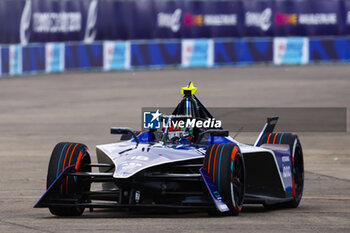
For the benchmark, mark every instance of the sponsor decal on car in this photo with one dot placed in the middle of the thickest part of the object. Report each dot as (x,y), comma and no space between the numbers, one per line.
(286,172)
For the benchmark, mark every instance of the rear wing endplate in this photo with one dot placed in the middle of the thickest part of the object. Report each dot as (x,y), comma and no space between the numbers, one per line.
(268,128)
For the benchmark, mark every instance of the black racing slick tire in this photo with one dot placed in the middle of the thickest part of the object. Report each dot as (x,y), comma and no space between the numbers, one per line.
(225,165)
(297,163)
(67,154)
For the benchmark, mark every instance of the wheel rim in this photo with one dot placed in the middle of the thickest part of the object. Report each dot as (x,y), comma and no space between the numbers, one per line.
(237,182)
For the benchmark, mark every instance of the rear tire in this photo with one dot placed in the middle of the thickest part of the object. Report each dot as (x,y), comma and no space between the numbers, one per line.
(225,165)
(63,155)
(297,165)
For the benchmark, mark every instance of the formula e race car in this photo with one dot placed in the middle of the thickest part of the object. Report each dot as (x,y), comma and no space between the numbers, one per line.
(187,165)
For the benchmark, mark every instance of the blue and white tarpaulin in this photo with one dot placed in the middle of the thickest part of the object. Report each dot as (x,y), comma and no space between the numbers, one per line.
(116,55)
(15,59)
(54,61)
(197,52)
(290,50)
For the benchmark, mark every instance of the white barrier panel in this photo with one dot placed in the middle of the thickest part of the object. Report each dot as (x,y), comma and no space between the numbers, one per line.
(291,50)
(54,57)
(197,52)
(116,55)
(15,59)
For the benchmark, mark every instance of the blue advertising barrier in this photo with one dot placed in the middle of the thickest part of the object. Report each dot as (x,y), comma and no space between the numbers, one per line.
(33,58)
(156,54)
(83,56)
(123,55)
(5,66)
(243,51)
(326,50)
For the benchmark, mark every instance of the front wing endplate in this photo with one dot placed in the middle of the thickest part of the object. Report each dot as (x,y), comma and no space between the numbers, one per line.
(214,192)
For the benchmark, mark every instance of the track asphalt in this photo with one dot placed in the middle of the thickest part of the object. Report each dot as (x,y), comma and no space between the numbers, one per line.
(36,112)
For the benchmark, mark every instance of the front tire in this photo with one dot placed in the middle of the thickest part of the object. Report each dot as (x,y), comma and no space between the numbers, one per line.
(63,155)
(225,165)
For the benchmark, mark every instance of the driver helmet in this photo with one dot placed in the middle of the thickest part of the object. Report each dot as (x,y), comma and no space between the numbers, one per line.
(177,134)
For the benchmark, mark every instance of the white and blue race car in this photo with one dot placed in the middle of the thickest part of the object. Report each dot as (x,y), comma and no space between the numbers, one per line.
(181,168)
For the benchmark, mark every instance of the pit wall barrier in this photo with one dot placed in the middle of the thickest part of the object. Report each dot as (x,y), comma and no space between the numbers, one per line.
(185,53)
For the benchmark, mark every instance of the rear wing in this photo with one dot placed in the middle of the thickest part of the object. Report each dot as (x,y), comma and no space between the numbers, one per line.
(268,128)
